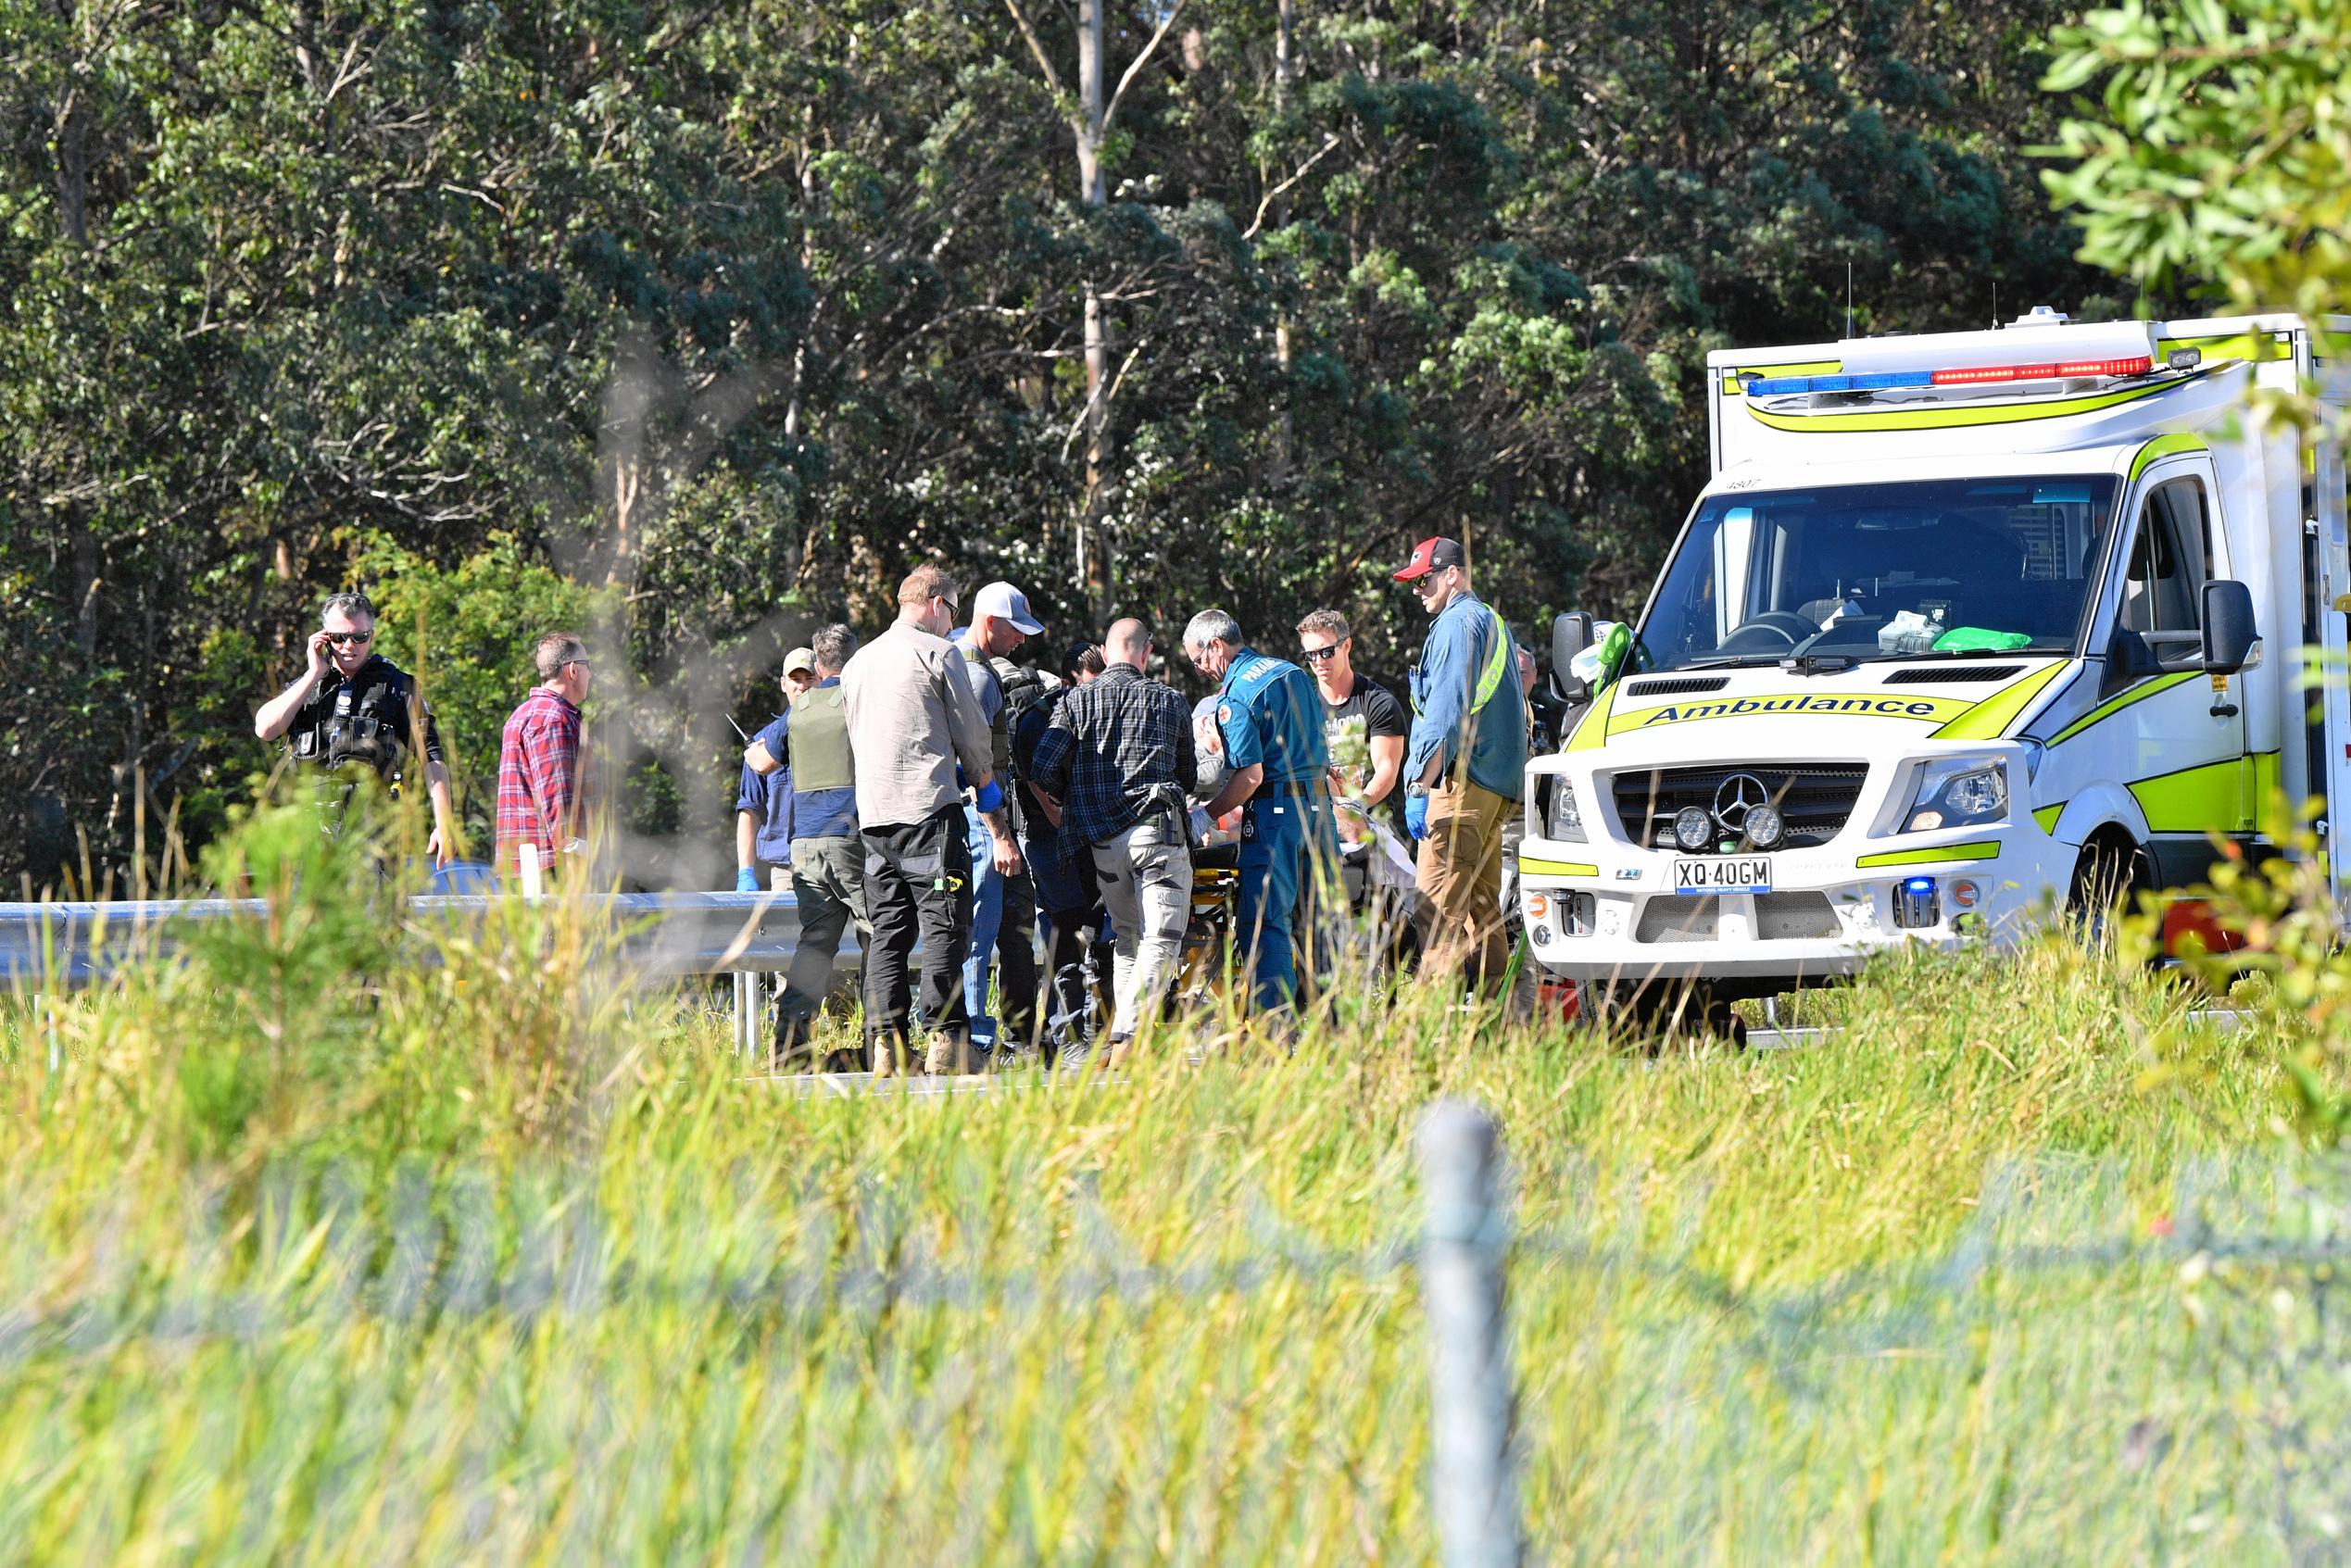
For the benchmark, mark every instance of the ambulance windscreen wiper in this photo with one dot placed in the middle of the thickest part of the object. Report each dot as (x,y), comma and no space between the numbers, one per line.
(1802,660)
(1810,663)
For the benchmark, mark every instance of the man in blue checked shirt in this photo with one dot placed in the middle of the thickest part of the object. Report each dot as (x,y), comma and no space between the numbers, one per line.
(1270,718)
(1116,764)
(809,746)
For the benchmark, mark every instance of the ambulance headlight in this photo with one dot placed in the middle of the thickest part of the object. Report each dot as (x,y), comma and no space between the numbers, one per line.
(1567,823)
(1956,791)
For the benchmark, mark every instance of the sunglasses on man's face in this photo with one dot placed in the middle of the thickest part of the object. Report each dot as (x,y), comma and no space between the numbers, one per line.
(1319,655)
(339,638)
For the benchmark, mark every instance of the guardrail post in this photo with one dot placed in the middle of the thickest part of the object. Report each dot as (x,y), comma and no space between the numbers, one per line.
(1471,1399)
(744,1012)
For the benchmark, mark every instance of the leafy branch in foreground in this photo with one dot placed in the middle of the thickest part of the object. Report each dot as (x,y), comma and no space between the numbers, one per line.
(2222,153)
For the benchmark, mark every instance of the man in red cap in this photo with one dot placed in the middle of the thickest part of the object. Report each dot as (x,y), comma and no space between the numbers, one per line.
(1465,762)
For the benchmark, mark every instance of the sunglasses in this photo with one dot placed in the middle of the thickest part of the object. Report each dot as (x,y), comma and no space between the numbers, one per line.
(1319,655)
(339,638)
(953,607)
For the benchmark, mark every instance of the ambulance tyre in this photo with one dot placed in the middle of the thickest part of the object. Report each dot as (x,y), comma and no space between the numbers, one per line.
(2107,877)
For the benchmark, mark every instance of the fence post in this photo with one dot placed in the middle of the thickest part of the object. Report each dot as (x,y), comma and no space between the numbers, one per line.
(1471,1398)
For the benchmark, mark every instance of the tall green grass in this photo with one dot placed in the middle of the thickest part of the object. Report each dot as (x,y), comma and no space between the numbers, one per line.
(310,1251)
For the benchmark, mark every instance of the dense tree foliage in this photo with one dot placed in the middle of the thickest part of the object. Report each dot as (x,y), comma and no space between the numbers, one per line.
(2222,152)
(717,315)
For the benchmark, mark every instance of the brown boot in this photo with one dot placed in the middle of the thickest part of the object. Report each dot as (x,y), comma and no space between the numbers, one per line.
(946,1054)
(884,1053)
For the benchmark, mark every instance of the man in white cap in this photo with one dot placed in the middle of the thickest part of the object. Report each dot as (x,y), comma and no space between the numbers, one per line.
(1004,897)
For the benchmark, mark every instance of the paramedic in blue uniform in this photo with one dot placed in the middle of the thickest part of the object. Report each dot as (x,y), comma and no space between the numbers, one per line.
(1270,718)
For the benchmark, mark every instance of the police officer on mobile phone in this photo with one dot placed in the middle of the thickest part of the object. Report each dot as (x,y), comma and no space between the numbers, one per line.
(353,712)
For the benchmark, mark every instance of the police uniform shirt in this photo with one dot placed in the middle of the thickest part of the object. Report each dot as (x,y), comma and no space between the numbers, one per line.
(380,690)
(768,797)
(1270,713)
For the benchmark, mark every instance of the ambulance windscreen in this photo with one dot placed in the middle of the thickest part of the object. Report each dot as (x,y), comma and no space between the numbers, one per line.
(1858,573)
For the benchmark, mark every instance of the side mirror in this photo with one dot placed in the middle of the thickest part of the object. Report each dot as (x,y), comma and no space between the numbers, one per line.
(1570,634)
(2228,632)
(2128,659)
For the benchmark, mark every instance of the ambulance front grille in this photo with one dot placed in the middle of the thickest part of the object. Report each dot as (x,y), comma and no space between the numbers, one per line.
(1780,917)
(1814,798)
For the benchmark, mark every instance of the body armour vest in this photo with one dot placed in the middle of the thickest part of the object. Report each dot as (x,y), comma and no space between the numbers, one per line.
(818,741)
(369,729)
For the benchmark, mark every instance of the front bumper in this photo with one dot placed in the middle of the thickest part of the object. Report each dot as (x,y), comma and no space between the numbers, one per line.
(1608,909)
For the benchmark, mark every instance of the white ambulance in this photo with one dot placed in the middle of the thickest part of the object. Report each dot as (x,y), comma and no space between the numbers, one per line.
(1965,628)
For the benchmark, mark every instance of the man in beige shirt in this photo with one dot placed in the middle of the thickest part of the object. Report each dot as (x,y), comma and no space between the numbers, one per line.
(913,717)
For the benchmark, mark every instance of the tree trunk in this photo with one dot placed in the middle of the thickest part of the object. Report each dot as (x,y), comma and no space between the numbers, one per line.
(71,128)
(1285,25)
(1094,566)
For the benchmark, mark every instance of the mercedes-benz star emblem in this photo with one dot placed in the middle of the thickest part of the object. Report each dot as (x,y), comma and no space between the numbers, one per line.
(1737,796)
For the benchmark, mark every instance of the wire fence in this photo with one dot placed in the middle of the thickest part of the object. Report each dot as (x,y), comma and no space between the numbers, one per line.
(2232,1287)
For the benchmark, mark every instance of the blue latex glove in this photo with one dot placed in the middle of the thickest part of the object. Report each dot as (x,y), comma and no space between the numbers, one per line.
(746,880)
(990,798)
(1416,815)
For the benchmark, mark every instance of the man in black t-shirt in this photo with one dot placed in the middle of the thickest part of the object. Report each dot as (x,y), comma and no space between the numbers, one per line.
(1363,723)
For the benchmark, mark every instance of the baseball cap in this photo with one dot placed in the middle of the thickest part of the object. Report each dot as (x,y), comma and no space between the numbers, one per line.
(1004,602)
(800,659)
(1431,554)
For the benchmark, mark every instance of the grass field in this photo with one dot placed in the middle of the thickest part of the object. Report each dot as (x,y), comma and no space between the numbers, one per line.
(310,1255)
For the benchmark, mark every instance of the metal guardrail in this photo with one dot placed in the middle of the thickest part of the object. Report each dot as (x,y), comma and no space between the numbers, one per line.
(54,947)
(57,946)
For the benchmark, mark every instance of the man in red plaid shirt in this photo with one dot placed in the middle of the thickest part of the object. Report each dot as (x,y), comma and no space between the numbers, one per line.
(539,758)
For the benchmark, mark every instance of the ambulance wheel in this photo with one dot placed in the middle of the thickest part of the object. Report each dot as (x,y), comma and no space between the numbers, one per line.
(2110,872)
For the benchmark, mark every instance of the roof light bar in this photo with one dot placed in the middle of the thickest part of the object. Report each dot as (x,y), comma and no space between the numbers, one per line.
(1876,380)
(1975,375)
(1891,381)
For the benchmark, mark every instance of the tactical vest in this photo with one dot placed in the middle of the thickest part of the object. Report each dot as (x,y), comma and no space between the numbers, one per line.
(818,741)
(1000,731)
(1023,689)
(369,734)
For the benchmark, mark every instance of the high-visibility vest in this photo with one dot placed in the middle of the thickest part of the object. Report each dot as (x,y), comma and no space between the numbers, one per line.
(1490,679)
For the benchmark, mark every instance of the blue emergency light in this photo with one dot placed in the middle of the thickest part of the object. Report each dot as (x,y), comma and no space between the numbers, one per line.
(1914,904)
(1970,375)
(1875,381)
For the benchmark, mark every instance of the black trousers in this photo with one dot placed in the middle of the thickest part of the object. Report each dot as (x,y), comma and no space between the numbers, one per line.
(1073,906)
(1016,963)
(918,882)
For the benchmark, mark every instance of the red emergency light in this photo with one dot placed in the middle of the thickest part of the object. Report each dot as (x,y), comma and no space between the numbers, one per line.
(1977,375)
